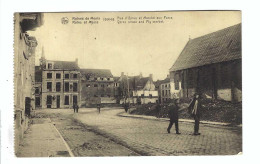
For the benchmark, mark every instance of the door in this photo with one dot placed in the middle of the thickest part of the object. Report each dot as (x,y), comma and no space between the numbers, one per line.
(75,99)
(27,106)
(49,101)
(58,101)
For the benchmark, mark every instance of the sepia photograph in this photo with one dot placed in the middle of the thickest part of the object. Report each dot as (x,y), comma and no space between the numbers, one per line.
(102,84)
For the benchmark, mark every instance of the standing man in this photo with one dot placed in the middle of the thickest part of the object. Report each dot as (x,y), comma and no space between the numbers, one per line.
(77,108)
(174,117)
(98,108)
(74,107)
(126,106)
(194,108)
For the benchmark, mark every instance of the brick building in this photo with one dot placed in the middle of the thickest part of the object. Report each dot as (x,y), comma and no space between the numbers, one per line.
(211,64)
(97,86)
(60,84)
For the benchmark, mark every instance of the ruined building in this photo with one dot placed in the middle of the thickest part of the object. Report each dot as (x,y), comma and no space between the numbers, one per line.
(24,68)
(210,64)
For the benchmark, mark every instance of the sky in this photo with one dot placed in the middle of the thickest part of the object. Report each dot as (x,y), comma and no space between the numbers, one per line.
(130,48)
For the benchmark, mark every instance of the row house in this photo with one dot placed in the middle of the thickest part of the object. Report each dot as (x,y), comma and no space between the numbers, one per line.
(38,87)
(211,65)
(24,65)
(97,86)
(60,84)
(137,89)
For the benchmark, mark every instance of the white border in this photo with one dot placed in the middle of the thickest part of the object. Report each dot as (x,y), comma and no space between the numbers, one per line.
(250,41)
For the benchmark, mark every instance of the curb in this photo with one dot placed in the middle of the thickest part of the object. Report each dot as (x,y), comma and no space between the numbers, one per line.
(180,120)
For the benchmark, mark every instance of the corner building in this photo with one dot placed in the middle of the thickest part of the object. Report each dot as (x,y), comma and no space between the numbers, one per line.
(60,84)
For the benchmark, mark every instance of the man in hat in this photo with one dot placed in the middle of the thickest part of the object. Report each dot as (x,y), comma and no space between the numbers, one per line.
(194,109)
(174,116)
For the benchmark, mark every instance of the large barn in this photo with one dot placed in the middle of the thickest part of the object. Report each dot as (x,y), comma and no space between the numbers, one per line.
(211,64)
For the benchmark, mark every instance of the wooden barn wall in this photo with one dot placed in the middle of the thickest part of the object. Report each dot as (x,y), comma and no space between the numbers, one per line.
(208,79)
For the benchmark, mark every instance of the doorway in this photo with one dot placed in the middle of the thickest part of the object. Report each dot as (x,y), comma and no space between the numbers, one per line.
(49,101)
(75,99)
(58,101)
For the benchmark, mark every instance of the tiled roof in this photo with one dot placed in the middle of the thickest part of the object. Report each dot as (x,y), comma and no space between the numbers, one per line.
(136,82)
(219,46)
(65,65)
(96,72)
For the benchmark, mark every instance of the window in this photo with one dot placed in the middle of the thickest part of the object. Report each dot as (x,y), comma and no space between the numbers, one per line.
(37,101)
(75,76)
(49,86)
(37,90)
(75,87)
(49,75)
(102,85)
(162,92)
(49,65)
(67,76)
(58,75)
(66,101)
(87,85)
(67,87)
(95,78)
(150,95)
(142,95)
(176,85)
(49,100)
(102,78)
(58,84)
(108,78)
(95,85)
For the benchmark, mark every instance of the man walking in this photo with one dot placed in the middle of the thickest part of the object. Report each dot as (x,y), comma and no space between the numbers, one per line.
(77,108)
(194,108)
(174,117)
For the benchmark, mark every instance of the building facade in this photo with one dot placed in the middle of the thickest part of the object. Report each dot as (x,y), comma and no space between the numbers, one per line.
(211,65)
(24,68)
(38,87)
(137,89)
(60,84)
(97,86)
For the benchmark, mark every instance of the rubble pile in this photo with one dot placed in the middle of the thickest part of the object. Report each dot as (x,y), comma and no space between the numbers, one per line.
(217,111)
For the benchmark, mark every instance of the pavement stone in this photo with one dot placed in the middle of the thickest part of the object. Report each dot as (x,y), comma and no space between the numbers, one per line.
(42,140)
(150,136)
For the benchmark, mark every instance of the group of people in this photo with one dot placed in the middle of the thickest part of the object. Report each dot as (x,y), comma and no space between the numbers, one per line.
(193,108)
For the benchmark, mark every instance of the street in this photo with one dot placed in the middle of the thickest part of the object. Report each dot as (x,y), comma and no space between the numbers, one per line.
(89,133)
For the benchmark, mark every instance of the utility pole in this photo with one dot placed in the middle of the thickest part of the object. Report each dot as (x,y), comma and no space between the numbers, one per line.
(128,89)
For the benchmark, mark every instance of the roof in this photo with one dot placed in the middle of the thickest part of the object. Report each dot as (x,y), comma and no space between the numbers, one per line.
(38,74)
(65,65)
(220,46)
(159,82)
(96,72)
(116,78)
(136,82)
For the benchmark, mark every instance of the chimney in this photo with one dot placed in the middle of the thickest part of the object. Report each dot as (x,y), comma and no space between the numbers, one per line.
(76,61)
(122,73)
(151,76)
